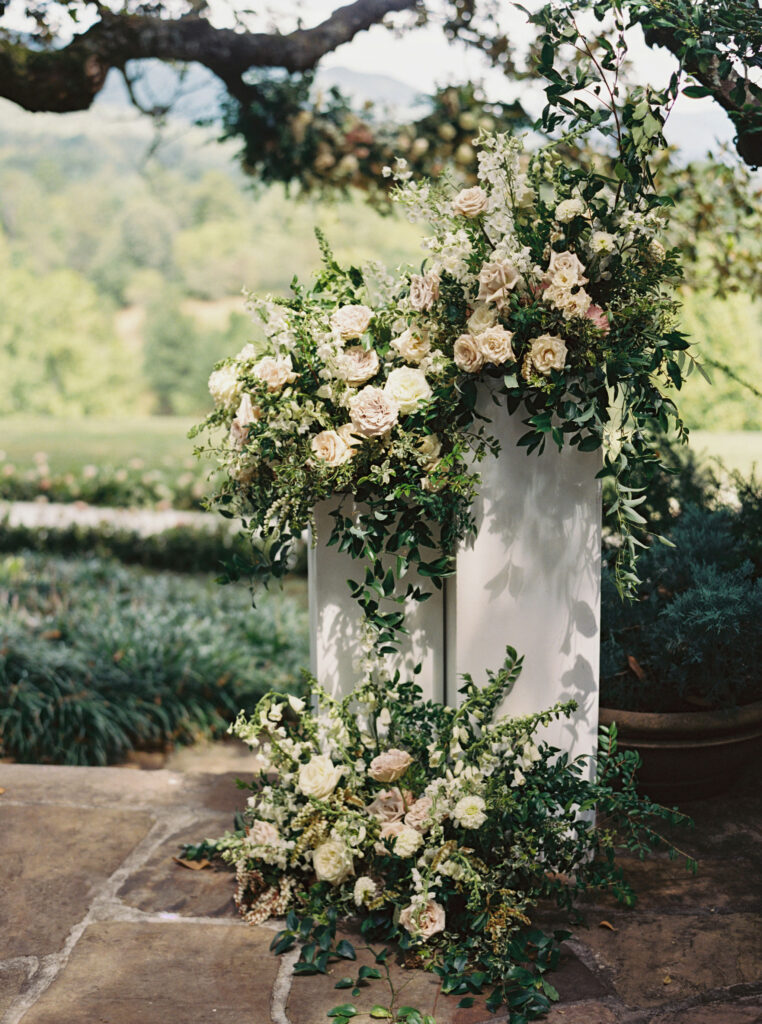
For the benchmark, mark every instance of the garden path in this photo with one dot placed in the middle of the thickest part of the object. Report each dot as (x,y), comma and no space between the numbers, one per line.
(98,924)
(59,515)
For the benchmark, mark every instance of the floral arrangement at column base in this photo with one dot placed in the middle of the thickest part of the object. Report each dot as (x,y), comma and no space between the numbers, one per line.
(438,828)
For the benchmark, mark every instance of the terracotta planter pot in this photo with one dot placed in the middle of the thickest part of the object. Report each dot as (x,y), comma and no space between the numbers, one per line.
(689,755)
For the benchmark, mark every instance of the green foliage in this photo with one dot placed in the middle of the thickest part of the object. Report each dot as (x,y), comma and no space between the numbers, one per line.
(183,549)
(96,659)
(692,639)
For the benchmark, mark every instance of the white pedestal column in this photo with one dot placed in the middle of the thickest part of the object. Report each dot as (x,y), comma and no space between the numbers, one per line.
(530,578)
(335,618)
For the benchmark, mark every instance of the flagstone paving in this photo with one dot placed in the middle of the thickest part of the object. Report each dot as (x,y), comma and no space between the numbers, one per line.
(99,925)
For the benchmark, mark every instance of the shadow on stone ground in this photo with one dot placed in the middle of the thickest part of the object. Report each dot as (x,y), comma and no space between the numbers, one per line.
(98,925)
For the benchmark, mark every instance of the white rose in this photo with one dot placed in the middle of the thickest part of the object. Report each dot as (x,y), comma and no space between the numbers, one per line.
(365,889)
(413,346)
(483,316)
(602,241)
(424,290)
(247,353)
(329,447)
(469,812)
(263,833)
(373,412)
(568,209)
(467,354)
(356,365)
(548,352)
(570,265)
(470,202)
(319,777)
(408,388)
(423,922)
(351,321)
(275,372)
(332,862)
(496,280)
(495,345)
(408,840)
(224,386)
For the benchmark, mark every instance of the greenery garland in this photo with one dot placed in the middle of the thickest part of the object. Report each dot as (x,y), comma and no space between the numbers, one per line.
(546,280)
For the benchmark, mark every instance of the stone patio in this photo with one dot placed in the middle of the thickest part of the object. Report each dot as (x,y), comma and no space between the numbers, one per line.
(98,924)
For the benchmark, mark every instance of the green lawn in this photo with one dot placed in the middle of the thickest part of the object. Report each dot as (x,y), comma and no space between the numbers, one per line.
(737,449)
(70,444)
(161,441)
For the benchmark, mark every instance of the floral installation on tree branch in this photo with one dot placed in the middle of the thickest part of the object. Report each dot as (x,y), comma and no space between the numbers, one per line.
(542,280)
(439,828)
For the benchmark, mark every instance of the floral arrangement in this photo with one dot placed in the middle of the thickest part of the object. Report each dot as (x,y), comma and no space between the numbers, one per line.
(439,828)
(319,143)
(540,280)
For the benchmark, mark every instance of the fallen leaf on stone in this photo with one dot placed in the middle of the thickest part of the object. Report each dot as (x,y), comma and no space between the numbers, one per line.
(666,980)
(607,924)
(194,865)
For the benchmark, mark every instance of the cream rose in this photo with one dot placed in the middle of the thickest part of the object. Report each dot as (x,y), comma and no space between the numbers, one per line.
(469,812)
(495,345)
(373,412)
(413,346)
(496,280)
(568,264)
(470,202)
(389,805)
(419,815)
(319,777)
(548,352)
(224,386)
(275,372)
(423,922)
(424,290)
(356,365)
(330,448)
(351,321)
(430,448)
(332,862)
(483,316)
(408,388)
(568,209)
(390,766)
(263,833)
(467,354)
(350,439)
(246,415)
(408,840)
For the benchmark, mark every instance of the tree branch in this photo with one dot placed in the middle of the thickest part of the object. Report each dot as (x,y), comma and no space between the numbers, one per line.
(69,78)
(733,93)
